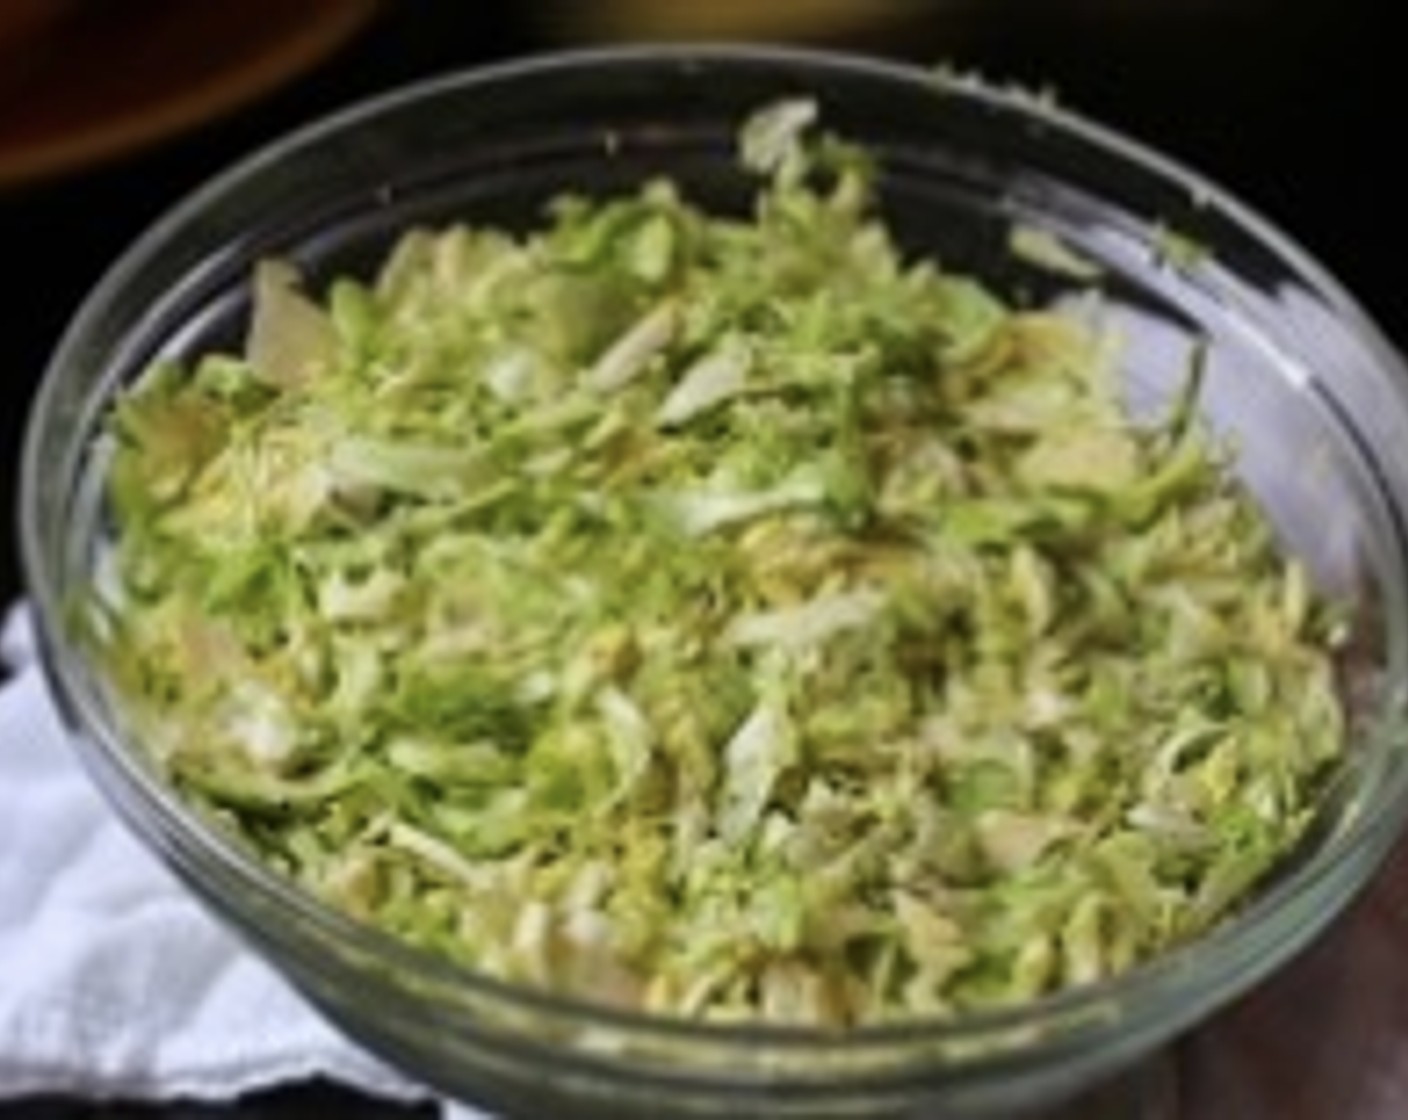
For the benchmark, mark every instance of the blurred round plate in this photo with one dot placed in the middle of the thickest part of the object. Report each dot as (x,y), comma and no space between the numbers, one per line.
(110,76)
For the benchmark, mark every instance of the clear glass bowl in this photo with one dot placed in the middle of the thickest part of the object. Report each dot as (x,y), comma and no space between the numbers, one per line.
(1313,394)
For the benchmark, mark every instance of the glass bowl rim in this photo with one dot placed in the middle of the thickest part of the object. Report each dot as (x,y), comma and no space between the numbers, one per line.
(1208,956)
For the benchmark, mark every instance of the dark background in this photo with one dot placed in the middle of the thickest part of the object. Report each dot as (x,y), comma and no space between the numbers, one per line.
(1295,106)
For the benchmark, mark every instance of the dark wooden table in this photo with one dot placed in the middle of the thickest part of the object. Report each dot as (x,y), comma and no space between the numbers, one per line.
(1326,1037)
(1290,103)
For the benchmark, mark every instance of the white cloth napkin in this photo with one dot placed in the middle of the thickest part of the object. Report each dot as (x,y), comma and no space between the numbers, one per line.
(113,981)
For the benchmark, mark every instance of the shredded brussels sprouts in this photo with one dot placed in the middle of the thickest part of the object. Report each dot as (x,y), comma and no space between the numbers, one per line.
(724,617)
